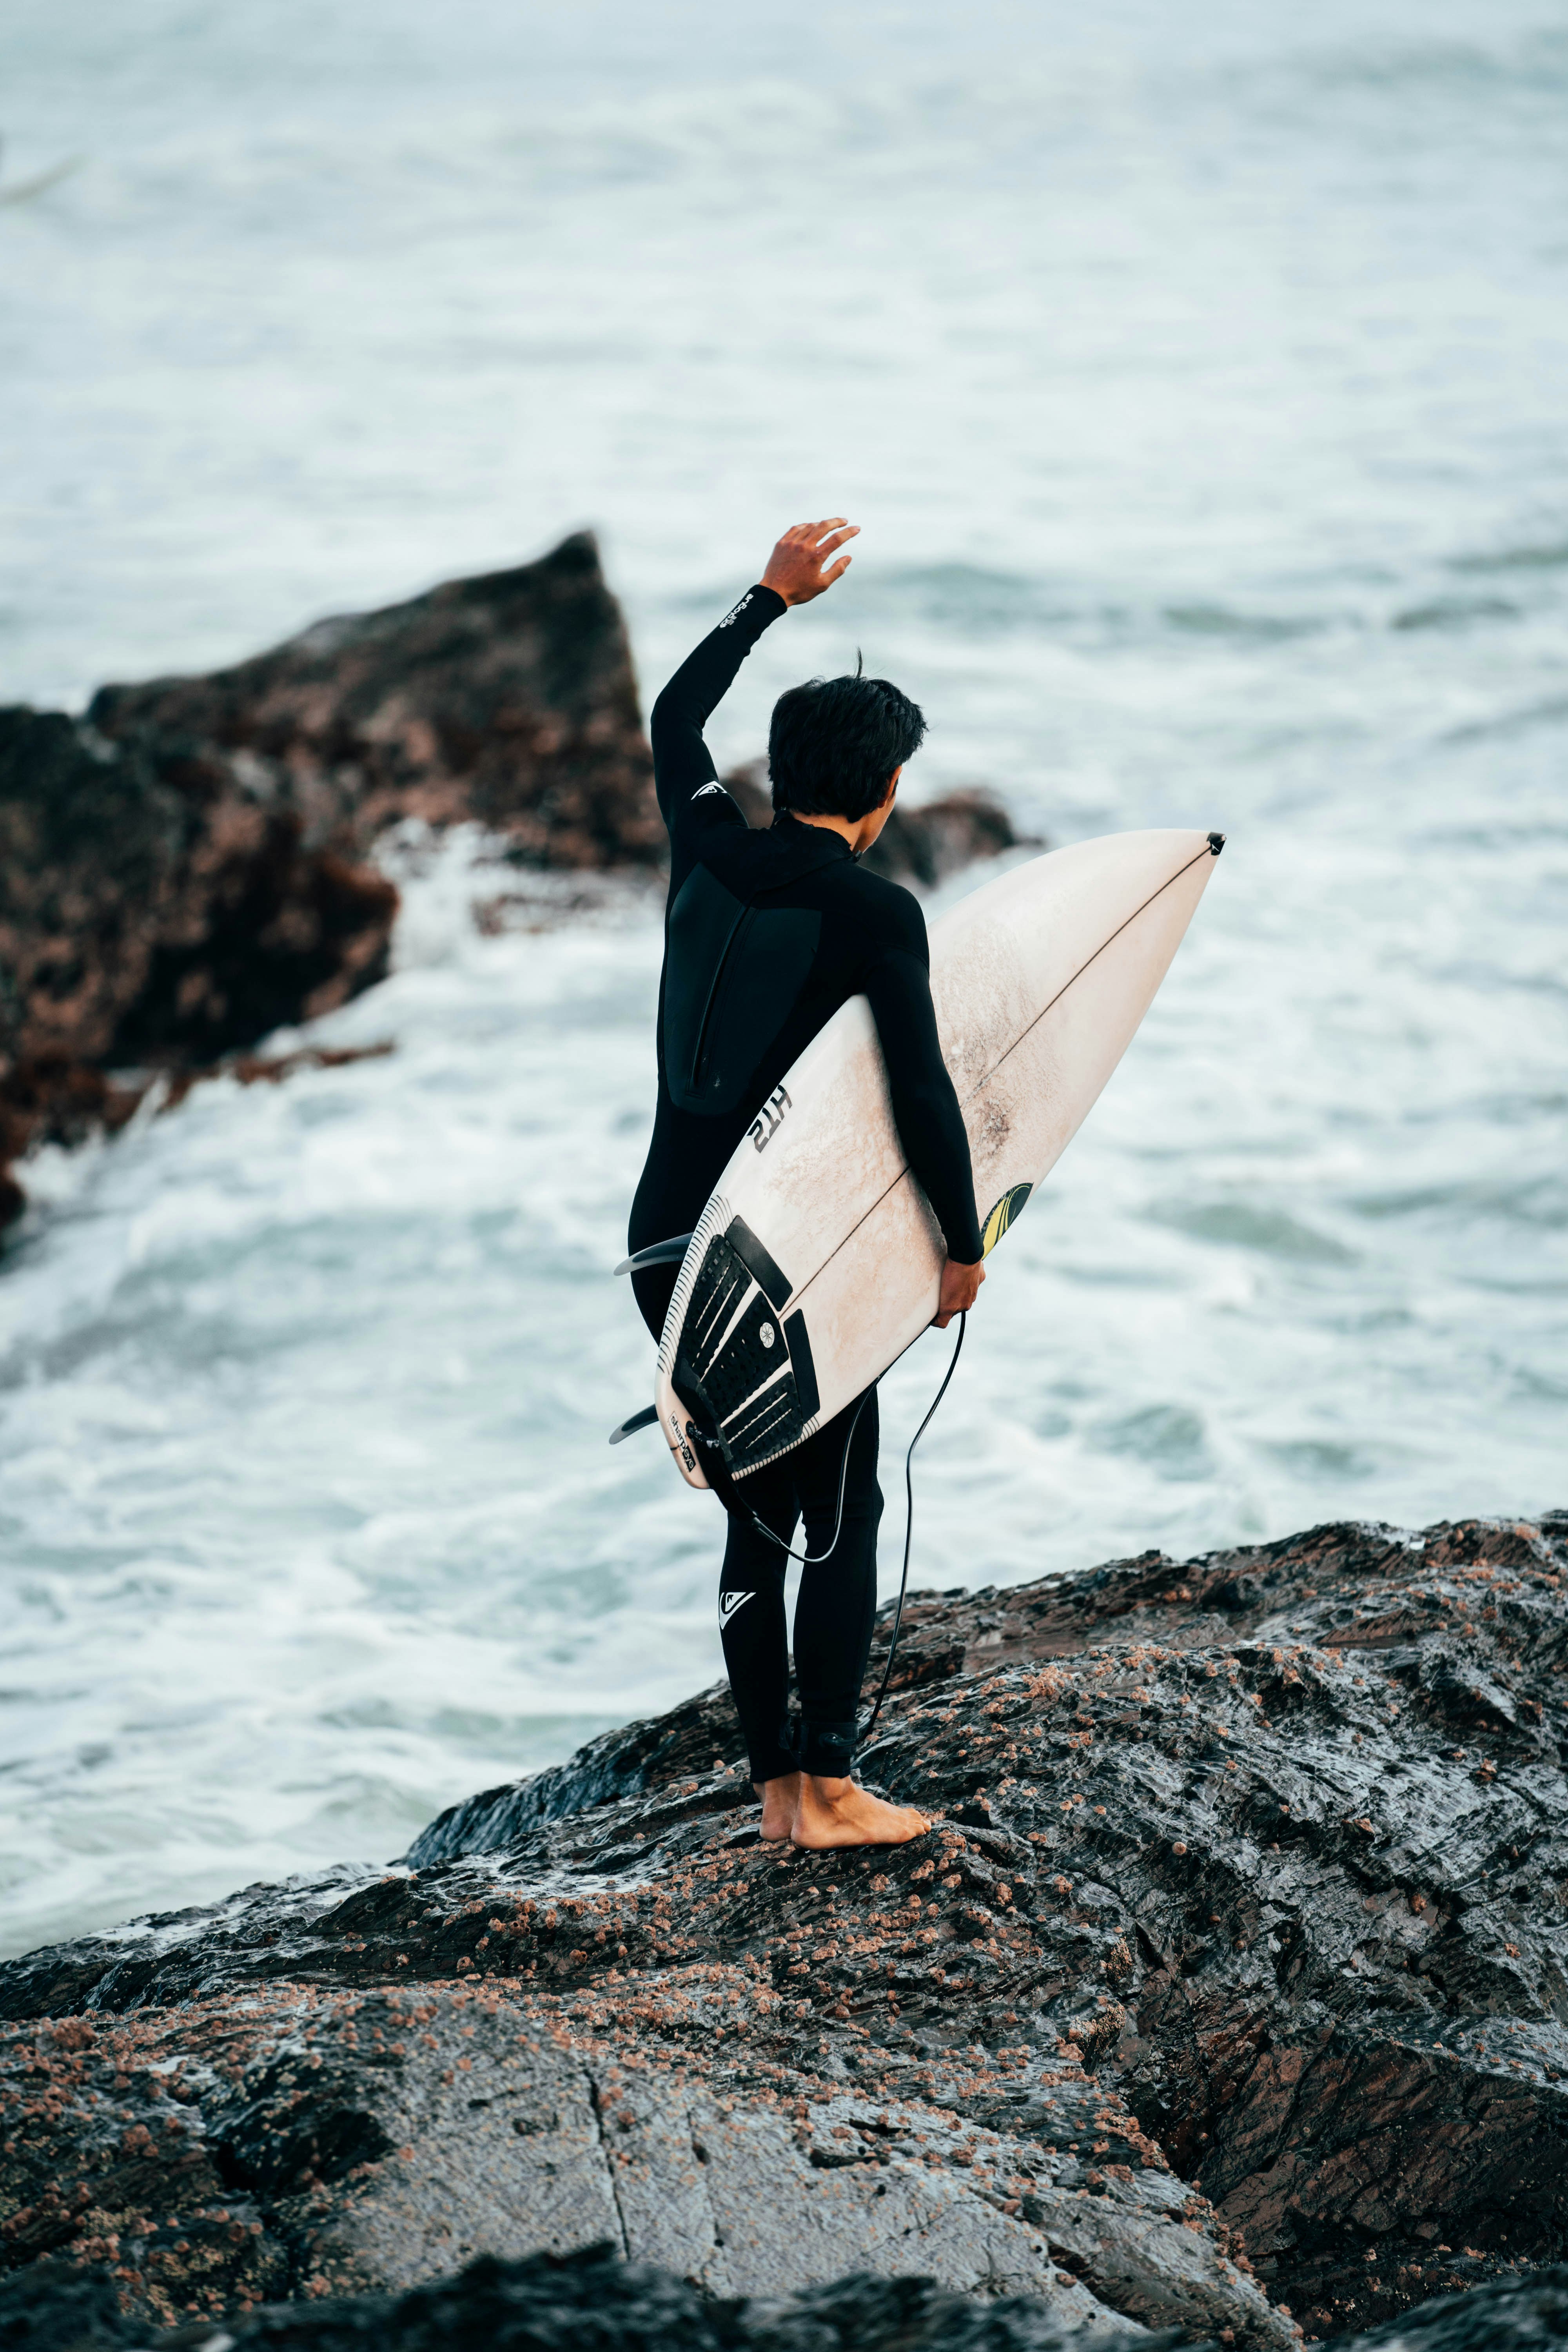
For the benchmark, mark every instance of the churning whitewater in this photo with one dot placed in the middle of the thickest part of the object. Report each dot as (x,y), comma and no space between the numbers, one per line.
(1240,501)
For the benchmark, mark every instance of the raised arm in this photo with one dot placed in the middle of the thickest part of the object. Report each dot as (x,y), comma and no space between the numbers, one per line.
(682,763)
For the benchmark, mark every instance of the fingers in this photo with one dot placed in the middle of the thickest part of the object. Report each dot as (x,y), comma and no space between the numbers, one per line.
(796,567)
(960,1290)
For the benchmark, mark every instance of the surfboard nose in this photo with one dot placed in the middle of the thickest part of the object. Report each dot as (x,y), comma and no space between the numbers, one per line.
(1216,843)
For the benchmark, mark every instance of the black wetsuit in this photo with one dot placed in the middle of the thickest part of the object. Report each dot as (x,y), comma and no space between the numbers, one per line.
(766,935)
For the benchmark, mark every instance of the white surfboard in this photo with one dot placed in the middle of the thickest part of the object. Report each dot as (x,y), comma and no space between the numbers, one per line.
(817,1260)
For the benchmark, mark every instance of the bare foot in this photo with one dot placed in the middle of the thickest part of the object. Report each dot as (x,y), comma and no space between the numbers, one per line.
(837,1813)
(781,1798)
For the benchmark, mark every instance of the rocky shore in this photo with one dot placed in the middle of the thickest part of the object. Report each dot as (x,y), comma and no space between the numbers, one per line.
(191,864)
(1226,2000)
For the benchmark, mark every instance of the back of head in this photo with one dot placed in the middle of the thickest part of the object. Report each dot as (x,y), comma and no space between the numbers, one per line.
(835,742)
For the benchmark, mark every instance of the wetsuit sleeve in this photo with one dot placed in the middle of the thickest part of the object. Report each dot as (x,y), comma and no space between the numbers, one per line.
(683,771)
(925,1105)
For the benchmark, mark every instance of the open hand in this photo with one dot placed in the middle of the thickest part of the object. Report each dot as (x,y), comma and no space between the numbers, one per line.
(795,568)
(960,1290)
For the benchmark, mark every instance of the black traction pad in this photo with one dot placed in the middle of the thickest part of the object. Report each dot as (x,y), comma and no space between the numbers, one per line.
(776,1284)
(744,1375)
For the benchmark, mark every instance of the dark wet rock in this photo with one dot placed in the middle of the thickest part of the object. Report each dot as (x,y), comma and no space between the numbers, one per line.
(1239,1949)
(307,2141)
(690,1738)
(50,1098)
(186,870)
(509,699)
(585,2302)
(153,911)
(920,843)
(1512,2314)
(149,911)
(925,843)
(591,2300)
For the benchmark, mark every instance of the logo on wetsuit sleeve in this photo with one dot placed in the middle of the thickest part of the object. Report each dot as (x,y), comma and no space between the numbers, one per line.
(729,1603)
(765,1125)
(736,610)
(703,789)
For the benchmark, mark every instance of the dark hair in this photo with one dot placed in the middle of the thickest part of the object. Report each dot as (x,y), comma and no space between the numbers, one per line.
(835,742)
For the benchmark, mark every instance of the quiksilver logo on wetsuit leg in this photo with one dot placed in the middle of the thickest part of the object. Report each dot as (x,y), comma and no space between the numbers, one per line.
(727,1604)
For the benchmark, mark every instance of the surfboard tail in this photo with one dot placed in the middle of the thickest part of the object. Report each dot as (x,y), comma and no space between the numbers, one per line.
(736,1371)
(672,1411)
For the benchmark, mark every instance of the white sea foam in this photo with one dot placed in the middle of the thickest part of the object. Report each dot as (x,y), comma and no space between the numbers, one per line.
(1199,385)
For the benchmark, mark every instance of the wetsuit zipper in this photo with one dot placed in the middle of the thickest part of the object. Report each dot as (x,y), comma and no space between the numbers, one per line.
(699,1052)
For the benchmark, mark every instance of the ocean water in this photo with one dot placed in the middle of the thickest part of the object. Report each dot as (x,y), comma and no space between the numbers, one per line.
(1198,384)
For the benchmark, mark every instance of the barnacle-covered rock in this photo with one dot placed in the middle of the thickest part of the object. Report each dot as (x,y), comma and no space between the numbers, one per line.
(1232,1970)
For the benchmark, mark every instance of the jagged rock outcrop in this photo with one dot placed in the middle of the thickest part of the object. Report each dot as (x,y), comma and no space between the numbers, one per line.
(184,870)
(509,699)
(152,910)
(1238,1953)
(919,844)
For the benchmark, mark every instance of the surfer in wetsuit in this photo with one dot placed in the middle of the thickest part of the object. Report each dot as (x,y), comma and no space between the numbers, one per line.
(837,748)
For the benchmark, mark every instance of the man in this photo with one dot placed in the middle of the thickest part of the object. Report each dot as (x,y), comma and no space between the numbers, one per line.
(738,1002)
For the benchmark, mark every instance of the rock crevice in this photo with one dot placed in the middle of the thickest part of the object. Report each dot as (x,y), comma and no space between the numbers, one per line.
(1227,1993)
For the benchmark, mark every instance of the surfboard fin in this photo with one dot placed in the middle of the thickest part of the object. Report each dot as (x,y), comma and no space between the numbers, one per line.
(669,1253)
(644,1420)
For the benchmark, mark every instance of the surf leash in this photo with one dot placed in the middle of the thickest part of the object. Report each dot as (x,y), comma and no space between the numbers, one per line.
(909,1525)
(810,1558)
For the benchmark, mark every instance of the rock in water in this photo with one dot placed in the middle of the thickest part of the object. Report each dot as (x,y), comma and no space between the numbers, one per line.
(185,872)
(154,909)
(510,700)
(1233,1969)
(925,843)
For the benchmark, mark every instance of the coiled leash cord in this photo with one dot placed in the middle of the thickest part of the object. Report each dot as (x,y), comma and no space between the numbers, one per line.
(810,1558)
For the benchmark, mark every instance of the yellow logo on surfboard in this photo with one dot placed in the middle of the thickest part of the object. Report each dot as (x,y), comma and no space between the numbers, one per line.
(1009,1206)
